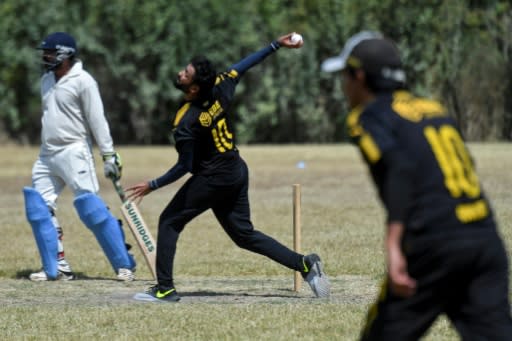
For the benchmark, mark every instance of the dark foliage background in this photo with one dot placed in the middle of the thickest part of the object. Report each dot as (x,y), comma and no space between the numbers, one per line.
(459,52)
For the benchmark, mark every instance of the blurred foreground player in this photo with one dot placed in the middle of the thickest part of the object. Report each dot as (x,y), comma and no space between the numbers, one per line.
(444,254)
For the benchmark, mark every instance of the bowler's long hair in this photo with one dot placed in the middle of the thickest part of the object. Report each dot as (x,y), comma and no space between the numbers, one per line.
(205,75)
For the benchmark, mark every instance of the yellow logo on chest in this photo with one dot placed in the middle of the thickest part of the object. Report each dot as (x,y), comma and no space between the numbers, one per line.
(206,117)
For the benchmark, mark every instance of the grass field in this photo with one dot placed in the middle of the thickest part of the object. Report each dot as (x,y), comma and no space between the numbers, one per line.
(228,293)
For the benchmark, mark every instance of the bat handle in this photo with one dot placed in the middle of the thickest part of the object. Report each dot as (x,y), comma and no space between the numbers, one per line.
(119,189)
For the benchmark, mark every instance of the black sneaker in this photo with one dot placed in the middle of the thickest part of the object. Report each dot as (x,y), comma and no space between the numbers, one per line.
(314,275)
(169,295)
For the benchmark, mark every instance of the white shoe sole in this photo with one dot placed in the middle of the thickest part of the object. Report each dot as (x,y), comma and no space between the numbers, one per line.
(42,277)
(142,296)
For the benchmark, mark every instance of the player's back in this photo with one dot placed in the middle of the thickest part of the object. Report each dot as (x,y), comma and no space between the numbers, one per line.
(446,192)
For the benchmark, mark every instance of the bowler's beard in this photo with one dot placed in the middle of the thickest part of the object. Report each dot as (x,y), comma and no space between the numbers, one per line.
(180,86)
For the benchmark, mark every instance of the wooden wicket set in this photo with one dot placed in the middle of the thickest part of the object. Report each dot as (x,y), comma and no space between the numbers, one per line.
(297,279)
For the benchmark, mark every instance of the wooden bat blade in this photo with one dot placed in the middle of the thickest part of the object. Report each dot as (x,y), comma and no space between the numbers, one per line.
(141,234)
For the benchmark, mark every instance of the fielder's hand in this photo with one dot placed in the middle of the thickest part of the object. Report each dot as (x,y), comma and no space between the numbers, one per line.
(401,283)
(112,165)
(138,191)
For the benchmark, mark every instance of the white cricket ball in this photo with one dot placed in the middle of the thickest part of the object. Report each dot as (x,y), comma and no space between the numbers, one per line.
(296,38)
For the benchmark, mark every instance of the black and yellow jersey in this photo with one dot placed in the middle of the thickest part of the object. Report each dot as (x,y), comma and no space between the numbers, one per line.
(208,125)
(419,162)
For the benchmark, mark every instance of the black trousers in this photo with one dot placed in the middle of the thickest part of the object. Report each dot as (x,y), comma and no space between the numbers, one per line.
(230,204)
(464,276)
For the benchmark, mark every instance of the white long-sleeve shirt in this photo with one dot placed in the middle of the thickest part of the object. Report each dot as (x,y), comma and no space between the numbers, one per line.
(72,112)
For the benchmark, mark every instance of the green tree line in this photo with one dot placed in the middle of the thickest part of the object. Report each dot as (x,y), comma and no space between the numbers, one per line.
(459,52)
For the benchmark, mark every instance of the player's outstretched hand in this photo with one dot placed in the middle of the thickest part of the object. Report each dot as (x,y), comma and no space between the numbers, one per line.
(138,191)
(291,40)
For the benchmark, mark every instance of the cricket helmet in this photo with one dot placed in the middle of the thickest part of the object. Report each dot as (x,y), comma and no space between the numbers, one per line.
(63,45)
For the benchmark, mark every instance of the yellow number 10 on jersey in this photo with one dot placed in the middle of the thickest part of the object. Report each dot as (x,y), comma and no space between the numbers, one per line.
(453,158)
(459,175)
(222,137)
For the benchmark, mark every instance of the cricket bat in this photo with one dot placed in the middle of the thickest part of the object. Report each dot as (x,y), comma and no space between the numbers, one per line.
(138,227)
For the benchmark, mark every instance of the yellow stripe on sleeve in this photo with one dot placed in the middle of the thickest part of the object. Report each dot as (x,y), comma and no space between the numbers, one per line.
(354,128)
(180,113)
(369,148)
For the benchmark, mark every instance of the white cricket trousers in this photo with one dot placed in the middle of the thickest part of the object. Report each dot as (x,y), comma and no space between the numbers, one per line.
(72,166)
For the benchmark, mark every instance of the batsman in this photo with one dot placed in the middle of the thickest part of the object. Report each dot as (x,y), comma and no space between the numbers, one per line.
(206,148)
(72,116)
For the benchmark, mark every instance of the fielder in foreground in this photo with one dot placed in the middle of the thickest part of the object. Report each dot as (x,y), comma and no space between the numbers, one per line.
(206,148)
(72,116)
(444,254)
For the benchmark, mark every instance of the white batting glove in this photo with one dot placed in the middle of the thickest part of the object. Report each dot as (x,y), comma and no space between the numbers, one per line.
(112,165)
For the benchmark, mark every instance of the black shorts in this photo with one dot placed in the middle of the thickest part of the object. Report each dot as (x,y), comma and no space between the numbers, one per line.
(464,276)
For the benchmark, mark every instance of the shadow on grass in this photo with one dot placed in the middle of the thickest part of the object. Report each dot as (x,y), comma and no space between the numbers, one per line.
(80,276)
(205,293)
